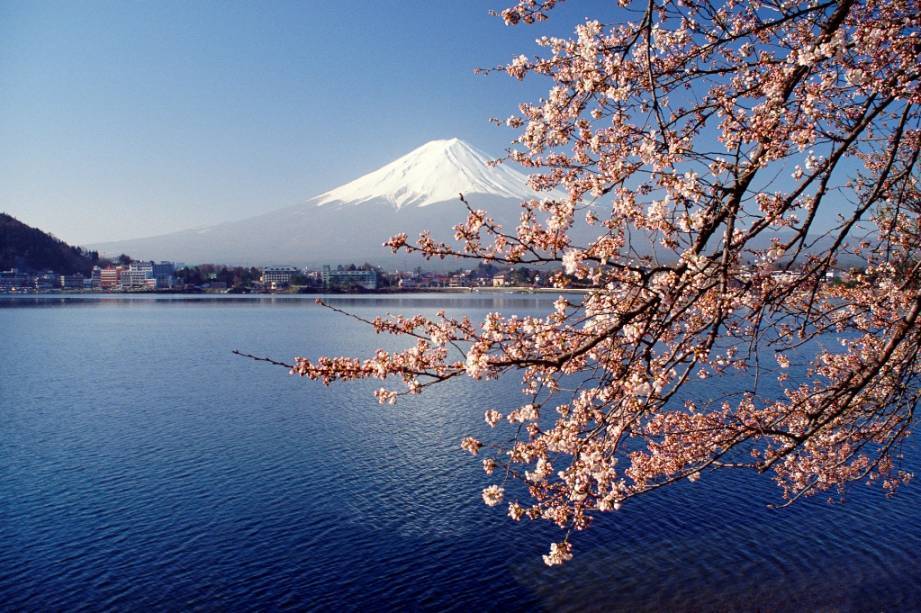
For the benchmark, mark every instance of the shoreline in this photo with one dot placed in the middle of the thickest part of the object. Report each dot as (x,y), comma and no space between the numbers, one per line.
(309,292)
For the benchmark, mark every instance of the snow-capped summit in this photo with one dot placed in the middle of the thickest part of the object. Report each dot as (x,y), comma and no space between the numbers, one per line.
(435,172)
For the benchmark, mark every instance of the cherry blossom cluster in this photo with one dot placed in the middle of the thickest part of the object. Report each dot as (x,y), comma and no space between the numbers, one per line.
(726,159)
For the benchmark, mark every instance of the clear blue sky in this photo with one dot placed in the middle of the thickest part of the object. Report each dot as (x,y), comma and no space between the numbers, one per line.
(126,119)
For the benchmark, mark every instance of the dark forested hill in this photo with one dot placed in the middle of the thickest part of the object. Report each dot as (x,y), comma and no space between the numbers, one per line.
(29,248)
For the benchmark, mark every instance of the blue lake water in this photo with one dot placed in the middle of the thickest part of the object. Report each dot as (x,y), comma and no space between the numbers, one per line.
(142,465)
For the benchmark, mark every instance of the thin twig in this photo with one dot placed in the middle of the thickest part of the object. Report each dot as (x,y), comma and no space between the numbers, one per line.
(262,359)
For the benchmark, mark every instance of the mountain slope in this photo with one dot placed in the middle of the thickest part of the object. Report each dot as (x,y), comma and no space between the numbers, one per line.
(29,248)
(337,233)
(416,192)
(435,172)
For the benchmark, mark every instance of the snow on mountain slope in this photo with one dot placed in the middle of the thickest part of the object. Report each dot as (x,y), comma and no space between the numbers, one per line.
(416,192)
(435,172)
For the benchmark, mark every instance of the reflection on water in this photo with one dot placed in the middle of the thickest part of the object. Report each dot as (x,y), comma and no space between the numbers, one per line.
(434,300)
(144,466)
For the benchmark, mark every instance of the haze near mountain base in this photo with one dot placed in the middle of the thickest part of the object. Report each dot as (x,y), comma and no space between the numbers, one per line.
(416,192)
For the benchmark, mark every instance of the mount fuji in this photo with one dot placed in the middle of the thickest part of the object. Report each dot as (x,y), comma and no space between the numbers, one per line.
(416,192)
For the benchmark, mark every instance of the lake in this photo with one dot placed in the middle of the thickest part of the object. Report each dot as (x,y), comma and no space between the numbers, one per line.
(142,465)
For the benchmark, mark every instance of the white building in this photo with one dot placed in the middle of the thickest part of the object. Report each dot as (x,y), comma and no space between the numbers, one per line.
(278,276)
(138,276)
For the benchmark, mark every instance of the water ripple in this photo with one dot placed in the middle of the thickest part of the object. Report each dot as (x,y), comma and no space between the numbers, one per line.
(144,467)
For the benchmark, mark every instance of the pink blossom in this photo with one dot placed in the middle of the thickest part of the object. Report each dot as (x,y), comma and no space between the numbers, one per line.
(492,495)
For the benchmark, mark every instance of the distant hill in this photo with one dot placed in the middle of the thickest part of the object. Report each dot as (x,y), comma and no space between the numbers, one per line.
(29,248)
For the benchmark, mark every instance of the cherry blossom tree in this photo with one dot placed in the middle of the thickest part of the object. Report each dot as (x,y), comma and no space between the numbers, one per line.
(727,158)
